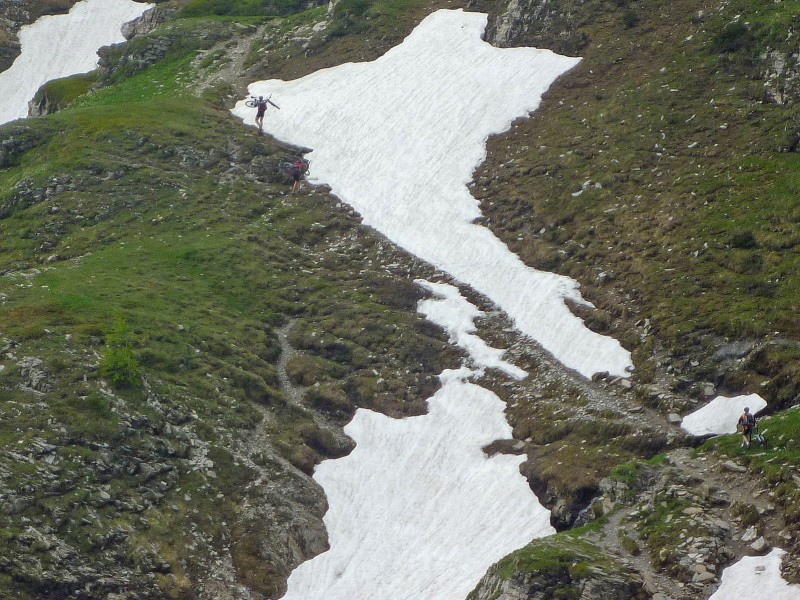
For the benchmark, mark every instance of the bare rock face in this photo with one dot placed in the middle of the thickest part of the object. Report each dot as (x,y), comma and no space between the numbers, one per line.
(539,23)
(559,567)
(9,48)
(146,23)
(34,375)
(41,105)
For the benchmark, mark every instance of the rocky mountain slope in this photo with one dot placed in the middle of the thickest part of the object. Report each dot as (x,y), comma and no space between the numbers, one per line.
(181,341)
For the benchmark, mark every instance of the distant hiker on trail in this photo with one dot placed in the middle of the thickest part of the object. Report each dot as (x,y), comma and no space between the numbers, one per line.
(299,168)
(261,109)
(747,422)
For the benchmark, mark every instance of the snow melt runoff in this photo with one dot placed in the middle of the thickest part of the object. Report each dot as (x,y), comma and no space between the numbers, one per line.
(399,138)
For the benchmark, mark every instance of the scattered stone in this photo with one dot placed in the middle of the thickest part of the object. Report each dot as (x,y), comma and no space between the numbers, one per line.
(704,577)
(31,369)
(732,466)
(760,545)
(750,534)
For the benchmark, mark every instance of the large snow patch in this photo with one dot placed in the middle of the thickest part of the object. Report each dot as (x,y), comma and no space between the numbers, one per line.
(62,45)
(418,510)
(756,577)
(398,139)
(721,415)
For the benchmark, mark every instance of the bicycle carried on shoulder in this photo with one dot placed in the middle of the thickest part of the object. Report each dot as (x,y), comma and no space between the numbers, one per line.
(253,102)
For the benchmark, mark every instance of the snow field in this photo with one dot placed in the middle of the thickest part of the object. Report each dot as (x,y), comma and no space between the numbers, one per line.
(456,315)
(417,510)
(756,577)
(411,515)
(61,45)
(721,415)
(398,139)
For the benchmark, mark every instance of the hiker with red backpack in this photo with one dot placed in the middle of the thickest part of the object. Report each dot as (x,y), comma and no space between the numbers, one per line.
(298,169)
(747,422)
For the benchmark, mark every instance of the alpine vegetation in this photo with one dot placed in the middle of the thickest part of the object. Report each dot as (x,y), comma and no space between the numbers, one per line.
(394,299)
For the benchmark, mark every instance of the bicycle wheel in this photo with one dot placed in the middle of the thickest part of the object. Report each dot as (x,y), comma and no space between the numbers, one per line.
(250,103)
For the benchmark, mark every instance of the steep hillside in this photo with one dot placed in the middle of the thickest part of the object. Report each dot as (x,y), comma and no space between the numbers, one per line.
(181,340)
(155,273)
(661,176)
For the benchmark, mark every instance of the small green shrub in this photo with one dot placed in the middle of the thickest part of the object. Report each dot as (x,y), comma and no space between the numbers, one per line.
(627,472)
(121,367)
(329,398)
(58,93)
(323,441)
(630,545)
(744,239)
(735,37)
(302,370)
(630,19)
(119,363)
(349,16)
(746,513)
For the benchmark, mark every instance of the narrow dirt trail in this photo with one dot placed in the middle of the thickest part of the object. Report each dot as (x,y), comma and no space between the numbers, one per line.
(293,392)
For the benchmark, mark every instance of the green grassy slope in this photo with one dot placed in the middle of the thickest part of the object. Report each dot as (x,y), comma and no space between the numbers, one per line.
(661,174)
(148,252)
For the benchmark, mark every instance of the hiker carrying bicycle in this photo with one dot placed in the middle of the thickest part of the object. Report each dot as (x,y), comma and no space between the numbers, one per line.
(747,422)
(261,108)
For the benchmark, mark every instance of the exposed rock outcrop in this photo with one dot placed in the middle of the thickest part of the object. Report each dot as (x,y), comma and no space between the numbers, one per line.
(559,567)
(34,375)
(149,20)
(541,23)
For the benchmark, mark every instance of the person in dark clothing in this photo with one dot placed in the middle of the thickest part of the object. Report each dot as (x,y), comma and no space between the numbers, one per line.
(747,422)
(299,168)
(261,108)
